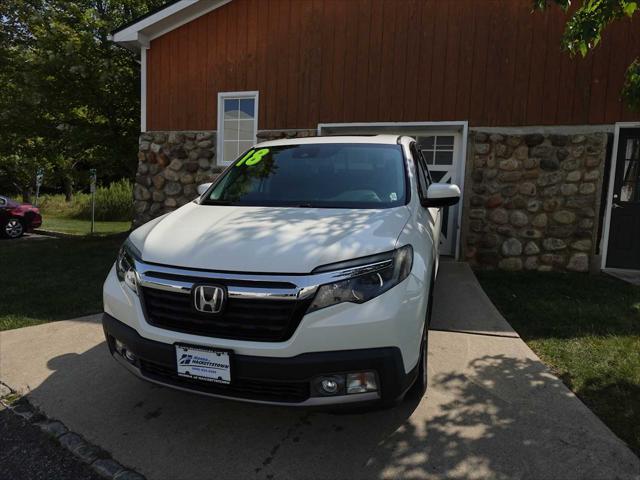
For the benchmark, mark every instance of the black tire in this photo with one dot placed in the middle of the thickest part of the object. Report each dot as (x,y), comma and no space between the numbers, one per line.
(13,228)
(420,386)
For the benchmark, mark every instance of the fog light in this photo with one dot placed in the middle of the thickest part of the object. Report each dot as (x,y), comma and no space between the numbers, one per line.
(361,382)
(129,356)
(120,347)
(123,351)
(329,385)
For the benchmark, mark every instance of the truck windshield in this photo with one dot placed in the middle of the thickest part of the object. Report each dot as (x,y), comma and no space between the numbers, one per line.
(337,175)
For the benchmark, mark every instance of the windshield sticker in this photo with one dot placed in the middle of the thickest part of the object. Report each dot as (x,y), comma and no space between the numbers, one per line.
(253,157)
(393,196)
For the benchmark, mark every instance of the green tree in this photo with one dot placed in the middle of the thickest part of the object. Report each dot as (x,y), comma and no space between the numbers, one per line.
(69,97)
(583,33)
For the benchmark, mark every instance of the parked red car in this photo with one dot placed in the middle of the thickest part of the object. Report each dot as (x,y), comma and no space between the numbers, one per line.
(17,218)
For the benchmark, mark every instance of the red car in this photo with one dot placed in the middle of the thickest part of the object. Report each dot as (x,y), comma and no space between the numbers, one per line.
(17,218)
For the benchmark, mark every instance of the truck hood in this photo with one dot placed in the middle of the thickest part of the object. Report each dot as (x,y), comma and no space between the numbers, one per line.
(267,239)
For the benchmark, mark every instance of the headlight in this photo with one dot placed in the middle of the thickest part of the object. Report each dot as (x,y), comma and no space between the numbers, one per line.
(125,265)
(365,287)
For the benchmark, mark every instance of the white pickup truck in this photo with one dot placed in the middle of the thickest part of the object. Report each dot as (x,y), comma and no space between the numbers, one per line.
(303,276)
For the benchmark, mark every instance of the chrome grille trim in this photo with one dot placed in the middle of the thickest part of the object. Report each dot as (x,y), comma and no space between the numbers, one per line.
(302,286)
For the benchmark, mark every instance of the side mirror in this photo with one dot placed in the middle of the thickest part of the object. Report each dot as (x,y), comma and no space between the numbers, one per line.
(203,188)
(441,195)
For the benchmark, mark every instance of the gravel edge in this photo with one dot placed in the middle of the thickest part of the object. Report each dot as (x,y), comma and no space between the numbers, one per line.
(97,459)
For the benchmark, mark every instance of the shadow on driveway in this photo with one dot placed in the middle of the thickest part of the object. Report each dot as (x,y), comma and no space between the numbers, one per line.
(494,416)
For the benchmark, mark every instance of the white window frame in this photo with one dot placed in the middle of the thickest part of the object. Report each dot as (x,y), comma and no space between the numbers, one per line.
(222,96)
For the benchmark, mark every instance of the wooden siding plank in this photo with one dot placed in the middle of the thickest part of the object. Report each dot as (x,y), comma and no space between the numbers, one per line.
(363,56)
(479,69)
(426,61)
(326,71)
(523,61)
(351,64)
(399,63)
(316,57)
(465,64)
(375,59)
(386,66)
(551,91)
(293,73)
(633,52)
(451,78)
(436,103)
(617,67)
(494,60)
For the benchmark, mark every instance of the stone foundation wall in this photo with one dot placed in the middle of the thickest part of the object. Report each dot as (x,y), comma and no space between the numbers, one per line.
(171,165)
(531,201)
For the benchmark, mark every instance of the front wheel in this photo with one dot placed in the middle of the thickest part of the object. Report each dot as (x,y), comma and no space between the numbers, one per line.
(421,380)
(13,228)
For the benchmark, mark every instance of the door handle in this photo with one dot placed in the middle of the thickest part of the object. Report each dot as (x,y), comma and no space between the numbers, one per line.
(615,205)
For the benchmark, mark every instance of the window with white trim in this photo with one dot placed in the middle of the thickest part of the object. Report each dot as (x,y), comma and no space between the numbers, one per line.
(237,124)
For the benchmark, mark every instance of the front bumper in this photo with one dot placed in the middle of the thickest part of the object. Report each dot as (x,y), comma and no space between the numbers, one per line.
(270,380)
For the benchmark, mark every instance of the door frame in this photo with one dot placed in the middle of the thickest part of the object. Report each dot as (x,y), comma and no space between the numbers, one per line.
(458,127)
(604,239)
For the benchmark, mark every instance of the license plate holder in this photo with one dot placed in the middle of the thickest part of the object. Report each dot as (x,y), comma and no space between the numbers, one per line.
(203,363)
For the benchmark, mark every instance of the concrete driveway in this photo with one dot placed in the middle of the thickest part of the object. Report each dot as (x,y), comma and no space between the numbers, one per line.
(492,410)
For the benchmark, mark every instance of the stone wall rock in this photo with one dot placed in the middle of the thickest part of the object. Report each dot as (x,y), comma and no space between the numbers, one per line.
(530,200)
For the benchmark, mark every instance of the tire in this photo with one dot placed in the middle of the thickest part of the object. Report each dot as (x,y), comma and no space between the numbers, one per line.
(13,228)
(420,386)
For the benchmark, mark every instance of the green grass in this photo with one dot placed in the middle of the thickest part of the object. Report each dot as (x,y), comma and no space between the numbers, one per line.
(53,279)
(73,226)
(587,329)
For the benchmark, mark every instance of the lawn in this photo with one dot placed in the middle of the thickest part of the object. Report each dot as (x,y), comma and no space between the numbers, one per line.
(53,279)
(587,329)
(73,226)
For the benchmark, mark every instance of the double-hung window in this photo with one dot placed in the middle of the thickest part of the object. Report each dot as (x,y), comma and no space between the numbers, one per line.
(237,124)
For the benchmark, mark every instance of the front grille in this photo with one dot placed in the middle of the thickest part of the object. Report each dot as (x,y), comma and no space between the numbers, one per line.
(241,319)
(265,390)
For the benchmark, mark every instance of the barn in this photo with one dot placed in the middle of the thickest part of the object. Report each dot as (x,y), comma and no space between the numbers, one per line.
(545,152)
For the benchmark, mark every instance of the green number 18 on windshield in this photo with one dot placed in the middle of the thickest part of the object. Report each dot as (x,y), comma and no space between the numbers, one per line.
(253,157)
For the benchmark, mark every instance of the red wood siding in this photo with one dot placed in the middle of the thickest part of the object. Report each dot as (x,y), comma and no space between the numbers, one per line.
(491,62)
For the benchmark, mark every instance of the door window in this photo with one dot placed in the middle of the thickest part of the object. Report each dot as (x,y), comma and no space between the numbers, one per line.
(237,124)
(437,149)
(630,186)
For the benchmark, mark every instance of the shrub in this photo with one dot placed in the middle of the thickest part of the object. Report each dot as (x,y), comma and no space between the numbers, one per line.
(113,203)
(57,206)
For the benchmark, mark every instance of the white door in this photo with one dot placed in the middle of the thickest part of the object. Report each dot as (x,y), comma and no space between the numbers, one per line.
(442,152)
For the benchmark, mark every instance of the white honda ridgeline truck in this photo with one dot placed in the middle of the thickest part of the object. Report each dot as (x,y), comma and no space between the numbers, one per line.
(302,276)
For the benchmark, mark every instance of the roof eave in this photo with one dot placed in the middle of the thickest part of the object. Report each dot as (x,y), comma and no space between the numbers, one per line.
(139,34)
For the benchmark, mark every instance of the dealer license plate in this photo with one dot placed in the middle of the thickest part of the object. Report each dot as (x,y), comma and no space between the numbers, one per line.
(203,363)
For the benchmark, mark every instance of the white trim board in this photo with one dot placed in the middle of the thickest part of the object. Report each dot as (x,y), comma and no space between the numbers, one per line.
(140,33)
(458,126)
(143,89)
(604,239)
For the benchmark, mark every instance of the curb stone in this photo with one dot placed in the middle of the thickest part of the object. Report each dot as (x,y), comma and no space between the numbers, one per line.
(96,458)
